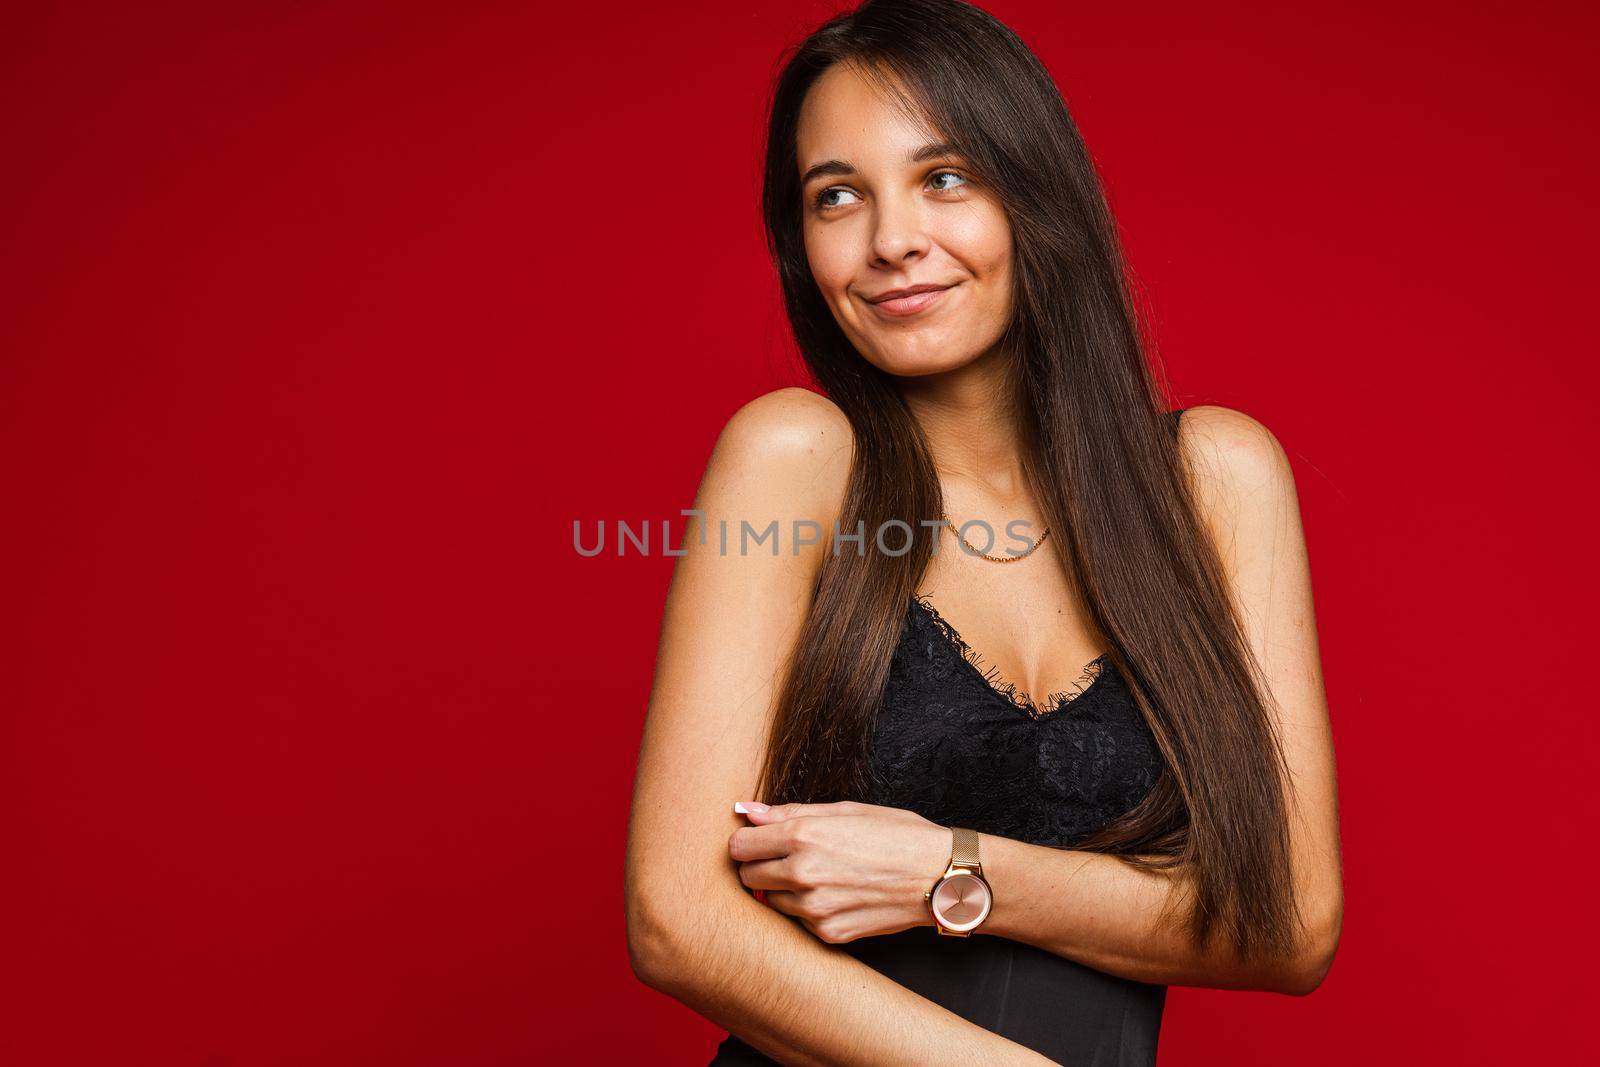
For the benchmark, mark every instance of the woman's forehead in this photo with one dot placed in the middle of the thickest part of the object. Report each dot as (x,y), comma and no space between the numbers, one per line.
(847,116)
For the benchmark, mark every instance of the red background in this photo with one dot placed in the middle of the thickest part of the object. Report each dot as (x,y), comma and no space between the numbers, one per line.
(322,323)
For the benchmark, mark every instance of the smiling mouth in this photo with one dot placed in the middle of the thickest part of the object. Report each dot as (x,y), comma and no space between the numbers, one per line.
(901,306)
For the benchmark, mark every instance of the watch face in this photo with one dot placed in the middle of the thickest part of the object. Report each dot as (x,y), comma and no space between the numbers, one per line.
(961,901)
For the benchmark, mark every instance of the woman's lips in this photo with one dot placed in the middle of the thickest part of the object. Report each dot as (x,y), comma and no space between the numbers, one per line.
(902,306)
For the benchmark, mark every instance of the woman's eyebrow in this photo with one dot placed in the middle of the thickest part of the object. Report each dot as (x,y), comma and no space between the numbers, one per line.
(831,167)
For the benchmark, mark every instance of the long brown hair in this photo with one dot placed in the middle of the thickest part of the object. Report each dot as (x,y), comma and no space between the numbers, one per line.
(1099,454)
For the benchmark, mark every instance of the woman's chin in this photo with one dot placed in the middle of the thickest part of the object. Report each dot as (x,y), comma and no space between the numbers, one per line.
(920,364)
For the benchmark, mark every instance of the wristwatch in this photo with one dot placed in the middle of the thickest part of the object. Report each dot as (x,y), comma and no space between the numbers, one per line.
(960,899)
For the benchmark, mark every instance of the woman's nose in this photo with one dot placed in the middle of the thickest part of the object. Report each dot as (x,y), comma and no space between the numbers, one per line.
(899,231)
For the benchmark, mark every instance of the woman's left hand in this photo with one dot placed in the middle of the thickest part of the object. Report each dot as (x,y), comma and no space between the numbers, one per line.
(846,870)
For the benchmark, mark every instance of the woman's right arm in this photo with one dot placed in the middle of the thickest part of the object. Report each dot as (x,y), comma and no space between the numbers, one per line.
(731,619)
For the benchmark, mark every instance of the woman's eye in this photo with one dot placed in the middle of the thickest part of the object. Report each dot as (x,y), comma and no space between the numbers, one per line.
(948,174)
(821,200)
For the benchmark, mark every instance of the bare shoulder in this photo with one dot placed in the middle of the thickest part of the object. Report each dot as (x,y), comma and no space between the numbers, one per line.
(1235,461)
(788,423)
(788,451)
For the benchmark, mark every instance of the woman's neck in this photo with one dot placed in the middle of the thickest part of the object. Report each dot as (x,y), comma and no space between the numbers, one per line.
(970,420)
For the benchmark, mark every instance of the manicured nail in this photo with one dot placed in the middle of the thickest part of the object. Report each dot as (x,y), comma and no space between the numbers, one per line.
(745,807)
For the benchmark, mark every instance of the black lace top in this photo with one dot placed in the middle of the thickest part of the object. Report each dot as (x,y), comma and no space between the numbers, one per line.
(960,747)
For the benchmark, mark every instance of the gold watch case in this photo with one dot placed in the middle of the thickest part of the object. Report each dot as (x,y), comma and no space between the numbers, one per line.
(961,899)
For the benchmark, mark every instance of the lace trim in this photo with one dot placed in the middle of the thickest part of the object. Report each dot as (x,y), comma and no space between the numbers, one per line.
(1053,702)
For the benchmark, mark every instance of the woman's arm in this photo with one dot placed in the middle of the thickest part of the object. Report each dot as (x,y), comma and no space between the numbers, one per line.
(1097,910)
(728,627)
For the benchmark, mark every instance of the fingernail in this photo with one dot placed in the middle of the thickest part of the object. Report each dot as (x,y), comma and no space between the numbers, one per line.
(745,807)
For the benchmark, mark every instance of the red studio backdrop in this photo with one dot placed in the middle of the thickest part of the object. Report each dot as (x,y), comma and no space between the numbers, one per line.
(322,324)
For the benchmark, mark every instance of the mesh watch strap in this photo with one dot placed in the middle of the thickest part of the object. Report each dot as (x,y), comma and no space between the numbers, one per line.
(964,849)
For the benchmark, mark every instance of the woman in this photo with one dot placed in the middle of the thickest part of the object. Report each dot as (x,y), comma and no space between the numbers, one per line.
(953,866)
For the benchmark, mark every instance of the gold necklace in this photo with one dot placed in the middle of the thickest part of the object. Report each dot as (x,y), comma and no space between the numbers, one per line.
(995,559)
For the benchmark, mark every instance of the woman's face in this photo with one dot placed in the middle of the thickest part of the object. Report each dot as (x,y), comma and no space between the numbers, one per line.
(884,211)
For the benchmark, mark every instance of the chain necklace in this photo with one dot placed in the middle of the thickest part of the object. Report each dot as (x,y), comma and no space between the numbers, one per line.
(995,559)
